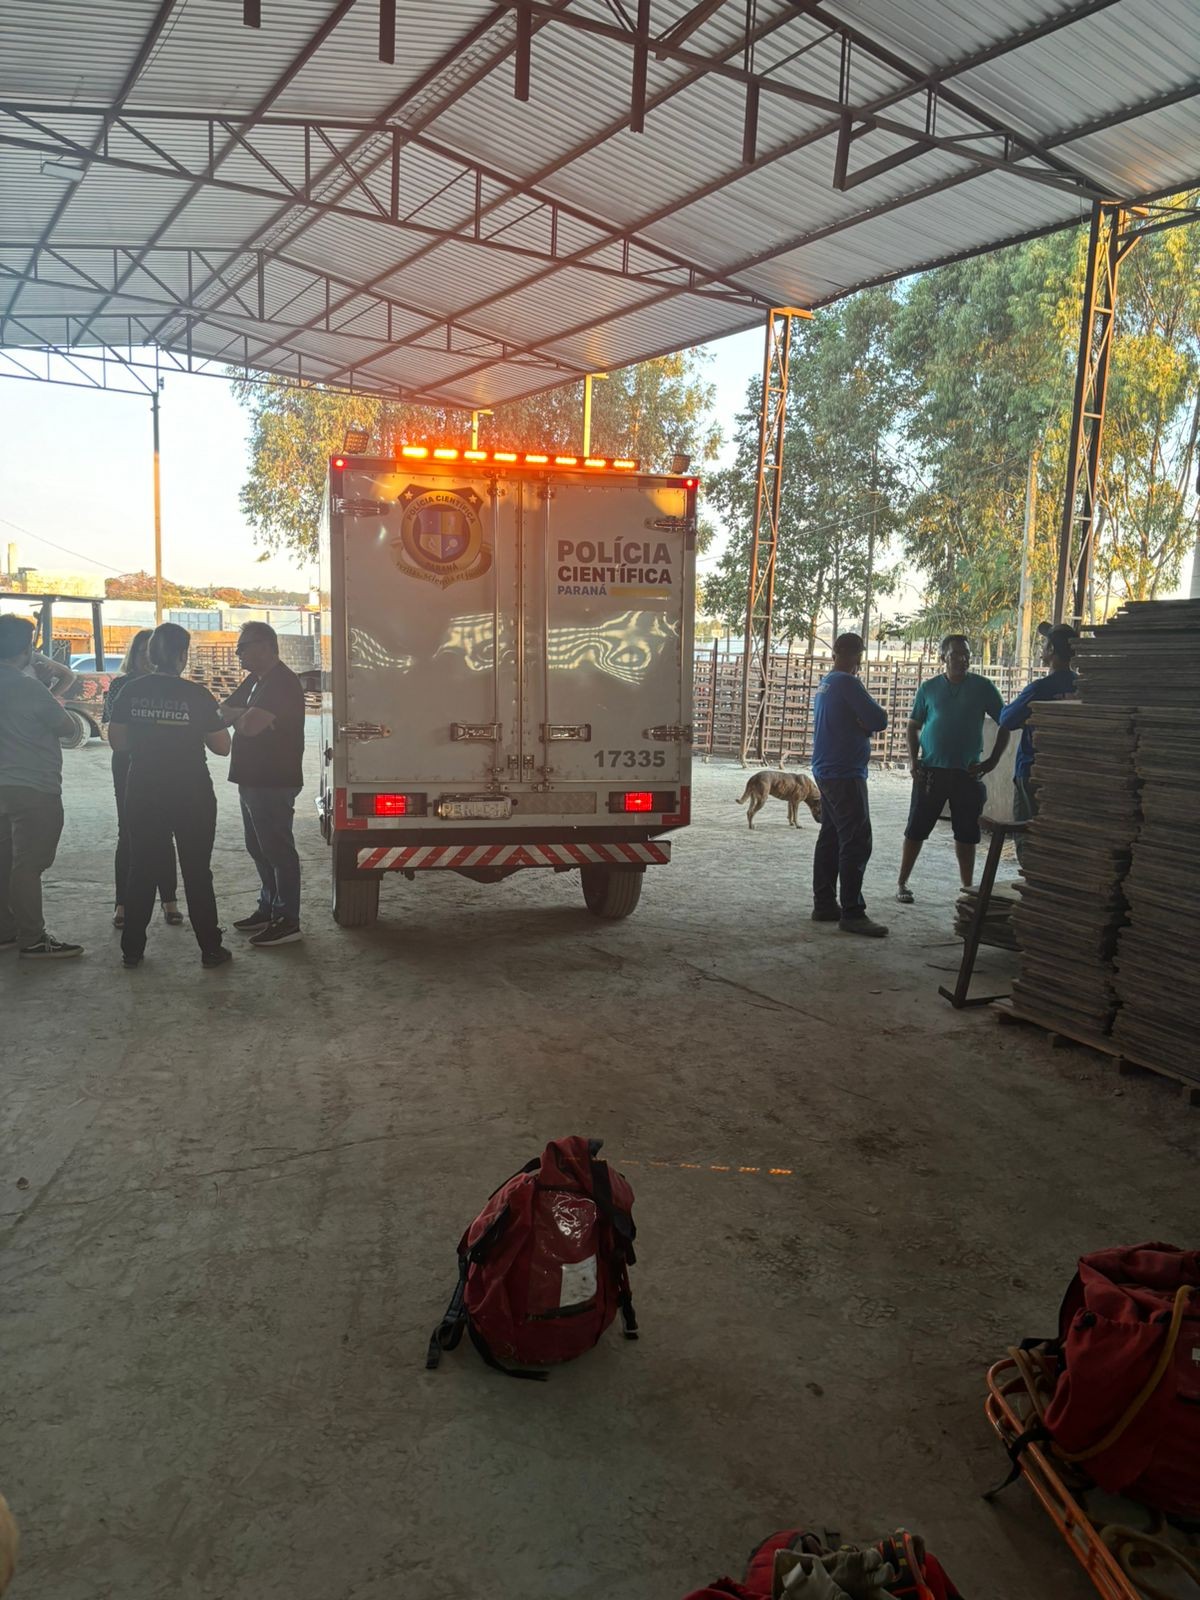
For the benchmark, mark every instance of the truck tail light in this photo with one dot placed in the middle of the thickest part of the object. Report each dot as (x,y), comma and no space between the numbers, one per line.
(643,802)
(388,805)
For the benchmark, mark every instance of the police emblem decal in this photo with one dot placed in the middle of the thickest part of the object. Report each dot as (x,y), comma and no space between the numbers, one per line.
(441,535)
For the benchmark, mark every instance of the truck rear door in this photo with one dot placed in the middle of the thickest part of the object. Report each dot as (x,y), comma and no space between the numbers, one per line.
(614,560)
(430,592)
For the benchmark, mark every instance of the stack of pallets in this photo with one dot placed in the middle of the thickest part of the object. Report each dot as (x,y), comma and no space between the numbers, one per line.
(1158,976)
(998,927)
(1075,858)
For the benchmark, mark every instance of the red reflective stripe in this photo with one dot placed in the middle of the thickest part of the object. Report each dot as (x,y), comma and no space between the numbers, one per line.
(576,852)
(461,857)
(490,854)
(630,852)
(373,858)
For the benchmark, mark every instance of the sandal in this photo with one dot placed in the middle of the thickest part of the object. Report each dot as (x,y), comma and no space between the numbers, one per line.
(119,917)
(174,917)
(904,894)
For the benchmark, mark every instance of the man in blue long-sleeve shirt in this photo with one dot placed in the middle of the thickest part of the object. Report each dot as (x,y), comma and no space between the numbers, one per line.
(844,718)
(1058,684)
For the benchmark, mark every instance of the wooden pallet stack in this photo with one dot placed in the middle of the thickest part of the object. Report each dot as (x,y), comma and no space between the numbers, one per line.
(1158,979)
(998,927)
(1075,860)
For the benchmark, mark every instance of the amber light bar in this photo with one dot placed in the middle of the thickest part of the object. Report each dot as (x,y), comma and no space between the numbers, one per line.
(516,458)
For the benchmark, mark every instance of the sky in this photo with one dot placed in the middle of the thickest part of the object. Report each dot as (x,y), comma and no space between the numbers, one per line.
(75,473)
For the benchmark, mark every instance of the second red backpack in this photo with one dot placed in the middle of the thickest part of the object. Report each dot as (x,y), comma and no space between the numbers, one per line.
(544,1268)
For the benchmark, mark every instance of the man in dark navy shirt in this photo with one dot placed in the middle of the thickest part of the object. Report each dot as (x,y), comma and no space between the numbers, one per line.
(844,718)
(266,712)
(1057,684)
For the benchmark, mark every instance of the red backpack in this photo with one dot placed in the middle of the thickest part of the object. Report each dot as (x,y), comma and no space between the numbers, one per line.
(545,1265)
(1126,1375)
(919,1575)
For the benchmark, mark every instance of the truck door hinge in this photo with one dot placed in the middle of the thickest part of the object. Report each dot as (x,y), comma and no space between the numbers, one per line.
(363,730)
(669,733)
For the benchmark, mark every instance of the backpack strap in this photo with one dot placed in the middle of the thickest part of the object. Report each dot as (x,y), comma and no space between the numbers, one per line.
(449,1331)
(624,1233)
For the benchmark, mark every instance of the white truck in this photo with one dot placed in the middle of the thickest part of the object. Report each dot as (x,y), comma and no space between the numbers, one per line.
(506,669)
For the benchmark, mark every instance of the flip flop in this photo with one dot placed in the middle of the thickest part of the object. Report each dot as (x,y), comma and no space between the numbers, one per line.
(905,895)
(119,918)
(174,918)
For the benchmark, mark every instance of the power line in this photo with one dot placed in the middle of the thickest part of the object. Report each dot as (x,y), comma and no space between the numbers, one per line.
(76,555)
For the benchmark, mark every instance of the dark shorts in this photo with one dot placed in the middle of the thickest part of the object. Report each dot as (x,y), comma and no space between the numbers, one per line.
(936,787)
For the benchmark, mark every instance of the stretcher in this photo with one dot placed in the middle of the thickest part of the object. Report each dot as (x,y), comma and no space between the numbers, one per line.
(1129,1551)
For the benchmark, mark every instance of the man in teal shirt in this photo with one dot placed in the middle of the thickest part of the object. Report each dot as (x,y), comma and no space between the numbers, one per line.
(945,744)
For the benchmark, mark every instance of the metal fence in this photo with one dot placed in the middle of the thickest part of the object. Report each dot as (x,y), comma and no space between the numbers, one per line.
(791,684)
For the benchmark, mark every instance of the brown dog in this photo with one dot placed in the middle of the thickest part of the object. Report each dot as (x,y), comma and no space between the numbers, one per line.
(797,788)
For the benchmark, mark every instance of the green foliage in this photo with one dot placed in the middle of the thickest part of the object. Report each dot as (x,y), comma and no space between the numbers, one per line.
(647,411)
(842,494)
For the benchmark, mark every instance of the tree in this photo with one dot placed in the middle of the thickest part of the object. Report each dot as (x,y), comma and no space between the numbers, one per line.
(988,350)
(842,491)
(648,412)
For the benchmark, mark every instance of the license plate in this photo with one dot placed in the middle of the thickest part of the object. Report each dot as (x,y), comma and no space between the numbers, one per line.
(483,806)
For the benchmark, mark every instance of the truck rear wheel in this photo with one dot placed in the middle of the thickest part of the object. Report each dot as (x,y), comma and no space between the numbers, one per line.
(355,902)
(611,892)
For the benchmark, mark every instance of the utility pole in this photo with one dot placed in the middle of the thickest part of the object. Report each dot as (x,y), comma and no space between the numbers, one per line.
(1025,608)
(587,410)
(866,620)
(158,578)
(475,416)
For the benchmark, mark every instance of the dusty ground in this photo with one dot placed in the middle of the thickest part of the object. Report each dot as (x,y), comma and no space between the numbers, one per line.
(230,1202)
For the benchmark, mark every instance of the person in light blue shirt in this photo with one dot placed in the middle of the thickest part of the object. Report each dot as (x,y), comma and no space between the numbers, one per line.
(945,747)
(1057,684)
(844,718)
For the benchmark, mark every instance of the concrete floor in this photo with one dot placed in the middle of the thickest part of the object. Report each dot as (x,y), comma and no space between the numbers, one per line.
(229,1204)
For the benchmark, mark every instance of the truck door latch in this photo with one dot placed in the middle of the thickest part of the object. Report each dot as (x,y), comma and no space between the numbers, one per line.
(487,731)
(669,733)
(363,730)
(672,524)
(554,732)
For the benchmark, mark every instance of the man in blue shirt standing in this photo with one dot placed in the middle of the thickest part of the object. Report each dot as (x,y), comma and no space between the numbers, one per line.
(945,744)
(844,718)
(1058,684)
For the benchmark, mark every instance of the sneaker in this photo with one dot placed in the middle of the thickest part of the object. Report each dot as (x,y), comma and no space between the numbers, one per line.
(904,894)
(863,925)
(216,958)
(255,923)
(280,932)
(49,949)
(826,914)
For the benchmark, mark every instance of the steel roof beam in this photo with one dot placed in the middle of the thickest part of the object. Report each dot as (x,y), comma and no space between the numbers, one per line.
(1071,180)
(60,145)
(125,89)
(264,103)
(798,241)
(459,339)
(781,152)
(583,148)
(447,62)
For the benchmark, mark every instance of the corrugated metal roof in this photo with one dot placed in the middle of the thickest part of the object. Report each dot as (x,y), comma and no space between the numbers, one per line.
(282,198)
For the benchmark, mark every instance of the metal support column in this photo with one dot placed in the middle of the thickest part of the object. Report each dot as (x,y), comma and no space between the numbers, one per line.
(158,577)
(764,535)
(1076,536)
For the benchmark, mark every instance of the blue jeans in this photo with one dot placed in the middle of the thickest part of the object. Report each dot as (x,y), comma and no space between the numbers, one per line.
(267,816)
(843,846)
